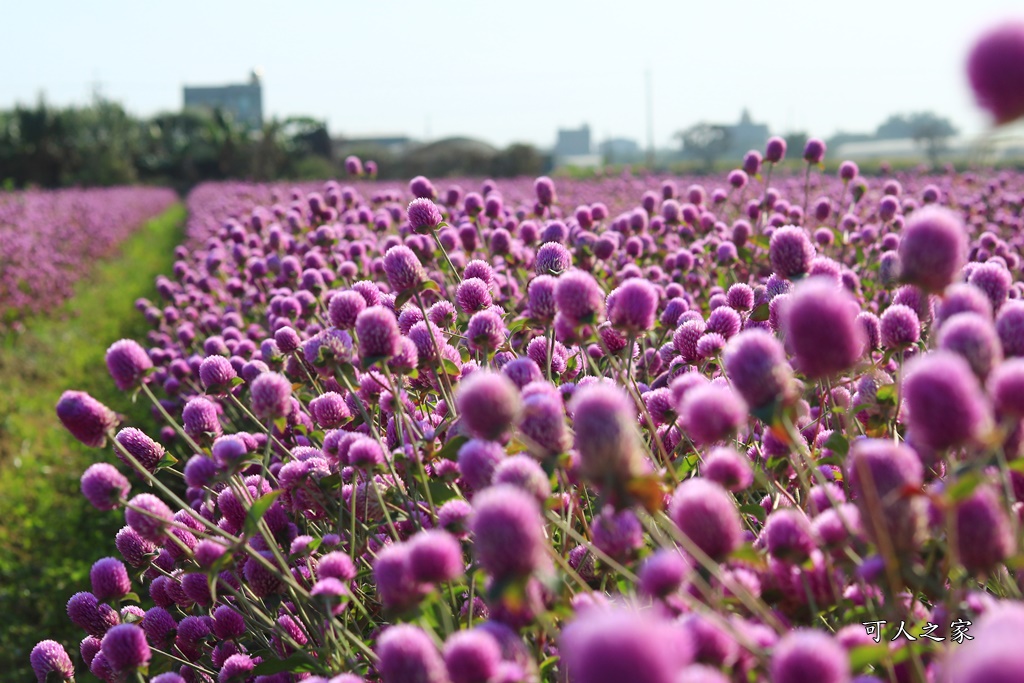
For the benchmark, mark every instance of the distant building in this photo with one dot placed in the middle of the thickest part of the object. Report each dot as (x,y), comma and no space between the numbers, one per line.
(244,102)
(620,151)
(573,148)
(746,135)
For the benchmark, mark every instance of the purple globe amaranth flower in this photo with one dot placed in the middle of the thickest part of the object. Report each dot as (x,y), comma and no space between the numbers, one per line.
(608,645)
(87,419)
(125,648)
(543,422)
(270,396)
(489,403)
(541,294)
(216,373)
(345,308)
(509,532)
(403,269)
(50,662)
(787,535)
(994,654)
(973,337)
(87,613)
(883,476)
(523,471)
(148,516)
(135,550)
(711,413)
(552,259)
(454,517)
(579,298)
(933,248)
(791,251)
(228,623)
(472,295)
(995,69)
(407,655)
(755,364)
(662,573)
(1006,387)
(604,420)
(728,468)
(109,579)
(104,487)
(807,655)
(148,452)
(984,537)
(633,305)
(128,364)
(477,461)
(994,280)
(199,418)
(159,626)
(705,513)
(378,334)
(899,327)
(486,332)
(237,668)
(435,556)
(1010,327)
(544,187)
(330,410)
(775,150)
(944,402)
(814,151)
(424,216)
(472,656)
(617,534)
(820,322)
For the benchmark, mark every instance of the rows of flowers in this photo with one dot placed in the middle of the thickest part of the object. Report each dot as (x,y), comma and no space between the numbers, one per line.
(665,430)
(51,239)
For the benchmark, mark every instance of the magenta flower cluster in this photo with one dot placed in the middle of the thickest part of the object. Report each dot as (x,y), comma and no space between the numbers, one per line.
(632,428)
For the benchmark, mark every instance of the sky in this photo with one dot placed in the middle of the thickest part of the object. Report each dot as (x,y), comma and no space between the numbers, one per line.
(512,71)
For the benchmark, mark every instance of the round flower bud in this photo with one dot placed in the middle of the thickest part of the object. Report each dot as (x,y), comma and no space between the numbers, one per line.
(705,513)
(755,364)
(216,374)
(791,251)
(424,216)
(125,648)
(489,403)
(87,419)
(995,68)
(407,655)
(509,532)
(983,534)
(933,248)
(148,452)
(807,655)
(944,402)
(128,364)
(632,306)
(109,579)
(50,662)
(403,269)
(148,516)
(271,395)
(435,556)
(820,322)
(104,487)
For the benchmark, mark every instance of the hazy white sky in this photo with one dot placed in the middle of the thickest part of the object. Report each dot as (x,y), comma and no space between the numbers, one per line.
(512,71)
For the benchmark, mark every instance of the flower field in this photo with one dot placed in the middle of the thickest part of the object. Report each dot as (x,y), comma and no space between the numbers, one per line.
(50,240)
(765,426)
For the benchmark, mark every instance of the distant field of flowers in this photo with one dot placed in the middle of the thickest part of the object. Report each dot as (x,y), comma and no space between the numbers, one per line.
(50,239)
(760,427)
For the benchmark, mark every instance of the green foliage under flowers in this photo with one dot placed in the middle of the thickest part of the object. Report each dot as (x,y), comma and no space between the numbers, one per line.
(47,538)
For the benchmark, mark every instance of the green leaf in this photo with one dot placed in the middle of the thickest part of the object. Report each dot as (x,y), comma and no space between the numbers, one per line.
(296,664)
(450,368)
(237,381)
(886,394)
(754,510)
(450,451)
(403,298)
(963,487)
(430,286)
(131,597)
(760,313)
(258,509)
(868,655)
(167,461)
(440,492)
(837,443)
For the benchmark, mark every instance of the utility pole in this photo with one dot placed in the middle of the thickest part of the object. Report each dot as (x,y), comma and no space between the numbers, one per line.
(650,122)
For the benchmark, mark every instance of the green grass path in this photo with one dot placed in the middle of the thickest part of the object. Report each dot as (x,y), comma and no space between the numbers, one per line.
(49,535)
